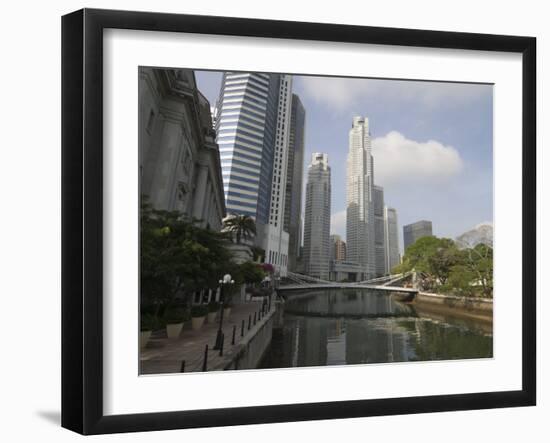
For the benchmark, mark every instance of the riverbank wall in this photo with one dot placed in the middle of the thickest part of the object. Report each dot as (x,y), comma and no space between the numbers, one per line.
(254,344)
(470,307)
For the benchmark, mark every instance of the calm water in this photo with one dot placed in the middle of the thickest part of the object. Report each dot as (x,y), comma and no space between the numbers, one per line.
(337,327)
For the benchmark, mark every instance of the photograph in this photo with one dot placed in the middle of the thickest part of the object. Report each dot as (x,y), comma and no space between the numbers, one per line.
(291,220)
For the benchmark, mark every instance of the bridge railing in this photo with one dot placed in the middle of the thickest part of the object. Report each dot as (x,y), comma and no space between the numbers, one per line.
(302,279)
(307,280)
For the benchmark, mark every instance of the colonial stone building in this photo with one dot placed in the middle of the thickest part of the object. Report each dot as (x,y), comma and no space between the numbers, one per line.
(179,160)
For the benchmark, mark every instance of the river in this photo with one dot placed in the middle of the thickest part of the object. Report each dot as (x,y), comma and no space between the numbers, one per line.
(349,326)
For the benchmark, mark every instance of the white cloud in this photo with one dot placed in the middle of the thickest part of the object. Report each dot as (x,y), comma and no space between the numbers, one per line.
(338,223)
(339,93)
(398,159)
(350,93)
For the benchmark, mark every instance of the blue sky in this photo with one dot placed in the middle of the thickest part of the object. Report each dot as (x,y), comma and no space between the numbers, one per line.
(432,144)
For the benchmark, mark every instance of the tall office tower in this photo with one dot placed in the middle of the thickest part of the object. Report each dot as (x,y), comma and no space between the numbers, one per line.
(414,231)
(294,178)
(337,248)
(317,220)
(275,236)
(391,239)
(246,123)
(360,229)
(379,243)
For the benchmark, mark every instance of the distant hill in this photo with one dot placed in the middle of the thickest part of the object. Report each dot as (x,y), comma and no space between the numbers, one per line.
(482,233)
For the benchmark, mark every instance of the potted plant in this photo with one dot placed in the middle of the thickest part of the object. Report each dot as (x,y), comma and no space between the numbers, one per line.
(174,318)
(198,314)
(147,322)
(213,308)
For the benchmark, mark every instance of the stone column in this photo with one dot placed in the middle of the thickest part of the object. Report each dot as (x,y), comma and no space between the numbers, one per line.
(200,192)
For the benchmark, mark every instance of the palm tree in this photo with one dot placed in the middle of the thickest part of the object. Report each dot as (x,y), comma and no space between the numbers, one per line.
(242,226)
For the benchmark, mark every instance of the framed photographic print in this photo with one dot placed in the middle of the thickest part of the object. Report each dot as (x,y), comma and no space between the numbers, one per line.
(269,221)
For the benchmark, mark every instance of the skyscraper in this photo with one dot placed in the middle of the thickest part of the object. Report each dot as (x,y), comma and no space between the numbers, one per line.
(337,248)
(379,244)
(317,218)
(295,172)
(391,239)
(246,124)
(253,127)
(414,231)
(275,237)
(360,220)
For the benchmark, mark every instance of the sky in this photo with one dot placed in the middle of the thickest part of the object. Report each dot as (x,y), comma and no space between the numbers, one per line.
(432,144)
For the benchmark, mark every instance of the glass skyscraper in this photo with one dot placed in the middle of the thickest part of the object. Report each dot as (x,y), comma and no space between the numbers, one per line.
(360,219)
(414,231)
(317,220)
(246,123)
(379,238)
(295,173)
(391,239)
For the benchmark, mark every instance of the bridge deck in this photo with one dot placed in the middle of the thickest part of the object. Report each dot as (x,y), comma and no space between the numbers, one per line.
(346,286)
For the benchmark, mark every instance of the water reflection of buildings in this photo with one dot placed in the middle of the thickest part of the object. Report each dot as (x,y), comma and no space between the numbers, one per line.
(308,337)
(358,327)
(336,343)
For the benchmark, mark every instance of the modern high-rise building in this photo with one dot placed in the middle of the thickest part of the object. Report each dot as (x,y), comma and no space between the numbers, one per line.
(414,231)
(275,236)
(294,177)
(360,219)
(246,124)
(337,248)
(391,239)
(317,218)
(253,128)
(379,244)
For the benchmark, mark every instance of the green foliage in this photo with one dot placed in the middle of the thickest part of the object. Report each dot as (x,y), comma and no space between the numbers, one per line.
(199,310)
(251,272)
(148,322)
(177,257)
(213,306)
(479,261)
(459,281)
(241,226)
(175,314)
(447,268)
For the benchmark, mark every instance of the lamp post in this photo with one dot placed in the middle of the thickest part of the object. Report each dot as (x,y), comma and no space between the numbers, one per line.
(224,281)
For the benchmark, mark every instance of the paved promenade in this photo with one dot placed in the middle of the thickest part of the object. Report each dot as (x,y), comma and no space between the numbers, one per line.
(163,355)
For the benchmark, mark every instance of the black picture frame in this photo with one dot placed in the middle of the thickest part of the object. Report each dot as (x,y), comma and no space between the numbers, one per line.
(82,218)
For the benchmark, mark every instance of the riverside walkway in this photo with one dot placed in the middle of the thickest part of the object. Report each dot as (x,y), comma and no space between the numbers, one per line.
(186,353)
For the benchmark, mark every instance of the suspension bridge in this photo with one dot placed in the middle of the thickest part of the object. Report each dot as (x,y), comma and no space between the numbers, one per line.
(294,282)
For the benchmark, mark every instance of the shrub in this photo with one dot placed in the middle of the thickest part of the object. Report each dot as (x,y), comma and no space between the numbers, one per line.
(175,315)
(213,306)
(199,310)
(148,322)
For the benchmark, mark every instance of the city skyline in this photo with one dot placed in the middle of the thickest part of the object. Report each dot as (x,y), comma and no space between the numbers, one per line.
(221,189)
(441,131)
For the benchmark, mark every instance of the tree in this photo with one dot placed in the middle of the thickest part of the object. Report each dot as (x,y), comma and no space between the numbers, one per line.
(177,257)
(460,280)
(479,261)
(433,256)
(252,273)
(446,267)
(241,226)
